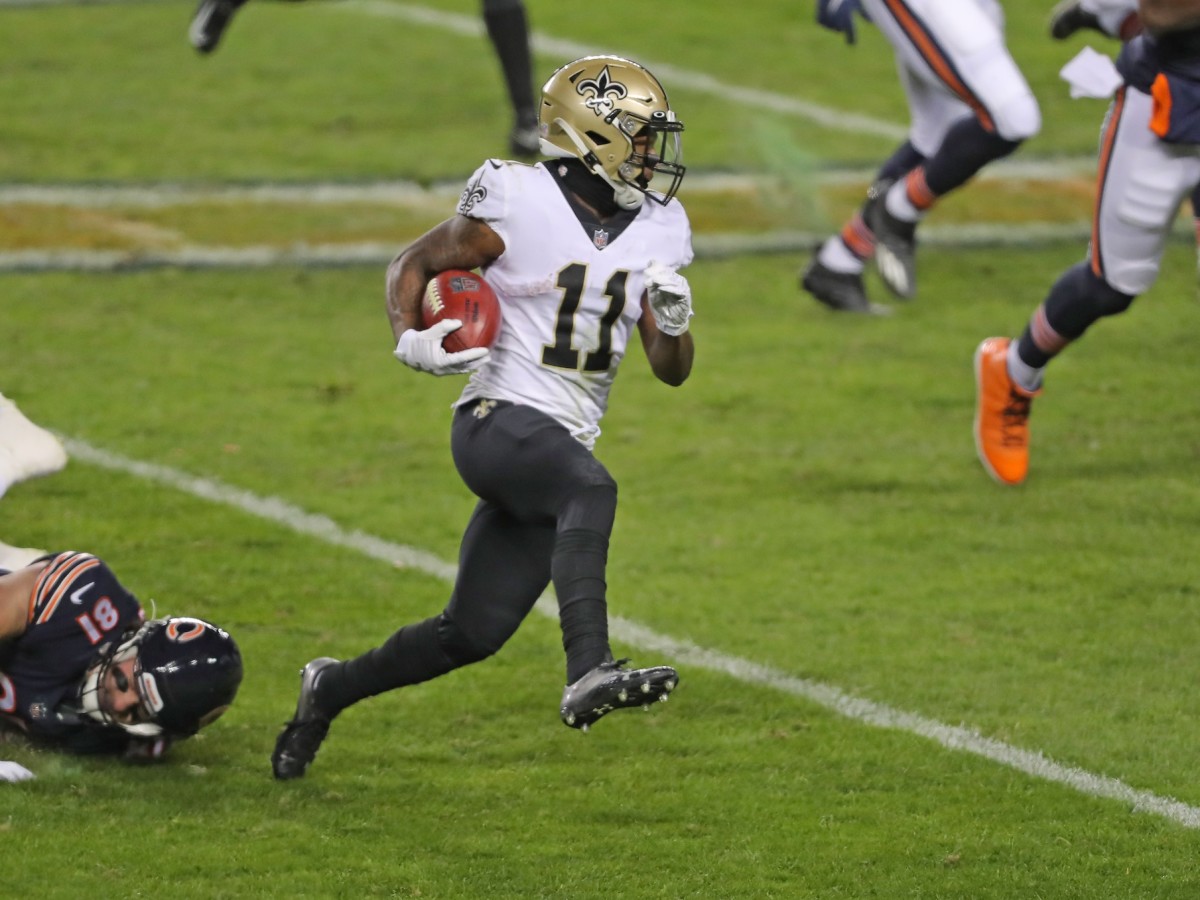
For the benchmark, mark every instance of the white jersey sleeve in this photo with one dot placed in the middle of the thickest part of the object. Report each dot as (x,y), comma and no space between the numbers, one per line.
(570,290)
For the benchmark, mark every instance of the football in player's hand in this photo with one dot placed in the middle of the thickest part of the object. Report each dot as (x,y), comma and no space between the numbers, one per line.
(462,295)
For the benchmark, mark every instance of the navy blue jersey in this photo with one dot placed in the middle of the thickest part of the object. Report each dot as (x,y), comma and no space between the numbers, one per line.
(1143,57)
(76,608)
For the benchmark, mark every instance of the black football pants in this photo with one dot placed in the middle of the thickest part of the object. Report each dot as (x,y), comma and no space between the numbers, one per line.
(545,513)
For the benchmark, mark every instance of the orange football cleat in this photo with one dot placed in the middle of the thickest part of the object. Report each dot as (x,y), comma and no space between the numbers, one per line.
(1001,414)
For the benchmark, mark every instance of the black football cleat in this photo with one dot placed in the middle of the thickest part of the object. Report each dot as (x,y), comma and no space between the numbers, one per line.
(610,686)
(297,746)
(210,21)
(524,141)
(895,246)
(1069,17)
(842,291)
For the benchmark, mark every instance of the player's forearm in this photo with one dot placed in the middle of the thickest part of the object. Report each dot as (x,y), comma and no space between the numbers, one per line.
(458,243)
(671,357)
(405,283)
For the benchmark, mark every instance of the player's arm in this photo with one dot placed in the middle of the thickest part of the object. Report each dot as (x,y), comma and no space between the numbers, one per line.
(1163,16)
(666,318)
(15,590)
(457,243)
(670,357)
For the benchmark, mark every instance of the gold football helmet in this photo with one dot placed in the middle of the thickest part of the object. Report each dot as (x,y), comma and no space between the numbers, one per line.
(593,108)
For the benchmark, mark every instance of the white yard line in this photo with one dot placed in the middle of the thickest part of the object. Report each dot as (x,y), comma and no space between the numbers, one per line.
(677,77)
(564,49)
(443,195)
(710,246)
(684,652)
(165,195)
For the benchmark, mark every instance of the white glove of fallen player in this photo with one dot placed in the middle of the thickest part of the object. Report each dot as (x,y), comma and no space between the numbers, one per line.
(11,771)
(423,351)
(670,298)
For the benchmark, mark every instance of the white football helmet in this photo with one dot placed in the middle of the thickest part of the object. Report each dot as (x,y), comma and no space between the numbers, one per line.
(592,109)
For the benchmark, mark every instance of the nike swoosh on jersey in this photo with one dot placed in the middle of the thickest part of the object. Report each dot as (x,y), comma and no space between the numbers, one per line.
(77,596)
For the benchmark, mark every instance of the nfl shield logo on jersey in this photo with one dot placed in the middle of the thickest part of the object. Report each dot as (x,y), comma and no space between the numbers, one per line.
(600,238)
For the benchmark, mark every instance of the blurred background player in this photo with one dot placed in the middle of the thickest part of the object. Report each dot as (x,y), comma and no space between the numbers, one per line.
(969,105)
(26,450)
(507,28)
(581,252)
(1116,19)
(1149,163)
(81,669)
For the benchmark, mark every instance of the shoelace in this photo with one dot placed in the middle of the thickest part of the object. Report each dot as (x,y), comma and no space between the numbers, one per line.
(1016,417)
(613,666)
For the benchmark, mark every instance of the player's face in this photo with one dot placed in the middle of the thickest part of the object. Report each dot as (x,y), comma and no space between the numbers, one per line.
(643,148)
(119,696)
(643,145)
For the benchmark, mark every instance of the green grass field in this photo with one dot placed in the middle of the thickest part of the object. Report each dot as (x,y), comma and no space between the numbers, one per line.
(897,678)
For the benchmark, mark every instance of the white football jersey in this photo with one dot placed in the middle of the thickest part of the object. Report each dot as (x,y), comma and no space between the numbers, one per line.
(570,290)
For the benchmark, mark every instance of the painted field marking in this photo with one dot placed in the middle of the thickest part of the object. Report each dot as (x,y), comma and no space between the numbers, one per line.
(951,737)
(564,48)
(706,246)
(678,78)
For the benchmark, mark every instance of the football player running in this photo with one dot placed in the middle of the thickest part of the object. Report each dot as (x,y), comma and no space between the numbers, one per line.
(82,670)
(1115,19)
(581,251)
(1149,163)
(969,105)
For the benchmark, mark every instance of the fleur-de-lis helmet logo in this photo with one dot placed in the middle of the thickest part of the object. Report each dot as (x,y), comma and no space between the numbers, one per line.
(600,92)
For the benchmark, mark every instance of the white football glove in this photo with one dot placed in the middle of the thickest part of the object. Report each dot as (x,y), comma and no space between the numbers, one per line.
(11,771)
(423,351)
(670,298)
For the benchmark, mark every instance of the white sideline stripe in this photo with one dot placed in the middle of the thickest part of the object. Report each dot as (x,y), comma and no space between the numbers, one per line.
(161,195)
(195,257)
(676,77)
(856,708)
(712,246)
(706,246)
(472,26)
(166,195)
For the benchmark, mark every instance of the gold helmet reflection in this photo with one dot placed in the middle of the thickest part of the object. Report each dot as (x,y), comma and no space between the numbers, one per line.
(592,109)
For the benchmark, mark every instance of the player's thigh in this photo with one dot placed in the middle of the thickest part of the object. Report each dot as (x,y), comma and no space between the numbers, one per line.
(523,460)
(958,48)
(933,111)
(926,32)
(1142,182)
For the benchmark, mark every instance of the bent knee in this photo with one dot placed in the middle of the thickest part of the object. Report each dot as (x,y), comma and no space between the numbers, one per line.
(460,647)
(1018,119)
